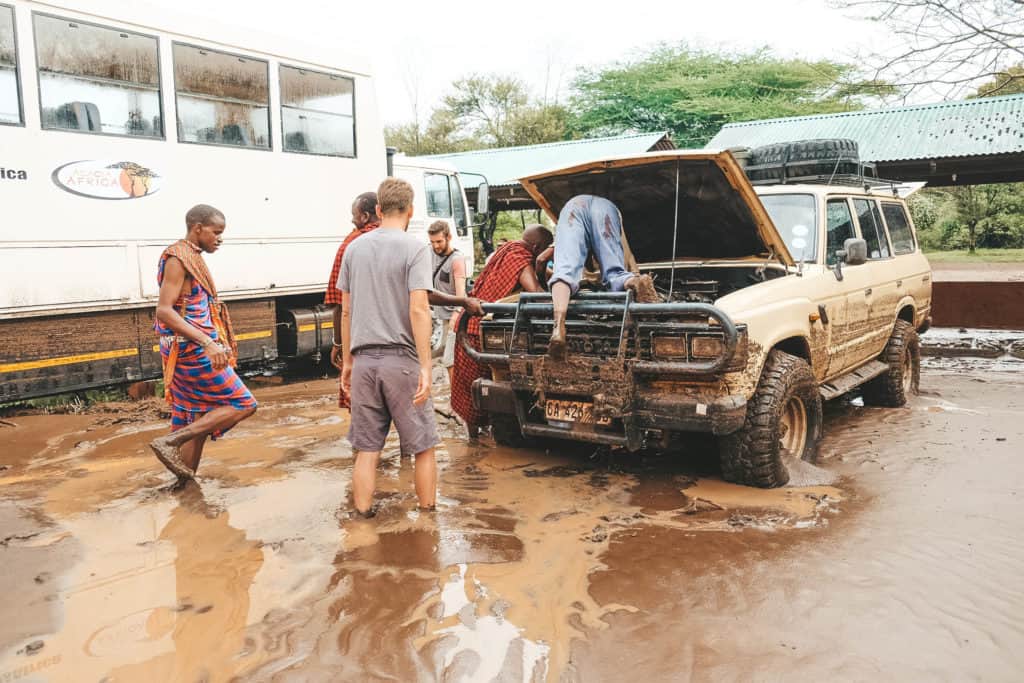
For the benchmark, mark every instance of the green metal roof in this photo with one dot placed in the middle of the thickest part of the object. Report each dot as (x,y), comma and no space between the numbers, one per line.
(504,166)
(983,126)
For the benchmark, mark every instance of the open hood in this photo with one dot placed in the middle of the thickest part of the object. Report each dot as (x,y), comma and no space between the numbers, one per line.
(719,215)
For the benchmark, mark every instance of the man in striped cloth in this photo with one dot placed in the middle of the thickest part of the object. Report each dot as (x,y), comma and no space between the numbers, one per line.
(511,269)
(197,346)
(364,220)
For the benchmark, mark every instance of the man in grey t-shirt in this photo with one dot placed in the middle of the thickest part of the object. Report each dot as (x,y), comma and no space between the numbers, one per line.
(385,331)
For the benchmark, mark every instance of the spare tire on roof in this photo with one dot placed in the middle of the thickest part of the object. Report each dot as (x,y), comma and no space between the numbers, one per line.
(788,160)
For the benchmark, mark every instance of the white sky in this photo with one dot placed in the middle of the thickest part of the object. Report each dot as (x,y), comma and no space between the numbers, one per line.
(418,47)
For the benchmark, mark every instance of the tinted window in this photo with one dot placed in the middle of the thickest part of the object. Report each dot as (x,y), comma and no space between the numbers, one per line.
(439,198)
(95,79)
(458,206)
(871,228)
(839,228)
(317,112)
(223,99)
(899,228)
(10,98)
(795,217)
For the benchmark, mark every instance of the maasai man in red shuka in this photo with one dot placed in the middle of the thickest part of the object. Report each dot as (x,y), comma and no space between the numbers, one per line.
(198,347)
(511,268)
(364,218)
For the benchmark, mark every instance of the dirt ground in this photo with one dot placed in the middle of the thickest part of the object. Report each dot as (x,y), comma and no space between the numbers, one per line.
(978,272)
(901,560)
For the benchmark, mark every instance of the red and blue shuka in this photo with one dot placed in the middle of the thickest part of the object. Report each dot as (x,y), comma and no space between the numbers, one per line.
(193,386)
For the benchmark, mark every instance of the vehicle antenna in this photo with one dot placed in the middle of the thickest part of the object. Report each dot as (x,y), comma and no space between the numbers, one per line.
(675,237)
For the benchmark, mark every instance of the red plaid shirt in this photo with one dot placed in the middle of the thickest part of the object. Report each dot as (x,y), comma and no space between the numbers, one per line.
(499,279)
(332,297)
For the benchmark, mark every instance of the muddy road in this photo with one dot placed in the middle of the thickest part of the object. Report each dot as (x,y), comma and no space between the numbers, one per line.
(898,559)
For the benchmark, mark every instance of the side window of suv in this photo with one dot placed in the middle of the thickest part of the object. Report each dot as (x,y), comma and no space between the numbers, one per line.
(899,228)
(839,228)
(871,228)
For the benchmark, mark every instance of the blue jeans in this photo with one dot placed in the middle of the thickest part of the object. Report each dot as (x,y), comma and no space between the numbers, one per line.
(589,224)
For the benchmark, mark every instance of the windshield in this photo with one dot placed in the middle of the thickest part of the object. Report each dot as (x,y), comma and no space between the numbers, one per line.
(795,217)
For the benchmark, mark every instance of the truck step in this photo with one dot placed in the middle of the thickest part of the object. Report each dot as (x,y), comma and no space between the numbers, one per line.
(843,383)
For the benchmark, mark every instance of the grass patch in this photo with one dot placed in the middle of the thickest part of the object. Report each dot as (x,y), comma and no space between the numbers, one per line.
(979,256)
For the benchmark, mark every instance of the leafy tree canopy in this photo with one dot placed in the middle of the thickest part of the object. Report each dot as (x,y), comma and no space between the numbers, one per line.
(692,93)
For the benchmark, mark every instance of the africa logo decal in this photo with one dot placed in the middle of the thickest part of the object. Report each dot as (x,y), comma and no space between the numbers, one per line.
(104,180)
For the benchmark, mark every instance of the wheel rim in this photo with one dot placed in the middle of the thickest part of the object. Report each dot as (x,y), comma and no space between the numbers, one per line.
(794,427)
(908,373)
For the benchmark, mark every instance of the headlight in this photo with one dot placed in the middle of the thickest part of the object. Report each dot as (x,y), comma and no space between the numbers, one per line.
(668,347)
(707,347)
(494,341)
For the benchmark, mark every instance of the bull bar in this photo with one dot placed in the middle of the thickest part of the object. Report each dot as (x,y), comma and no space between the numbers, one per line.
(612,303)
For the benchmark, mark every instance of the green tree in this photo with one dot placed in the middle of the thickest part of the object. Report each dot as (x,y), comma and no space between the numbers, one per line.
(692,93)
(482,111)
(1008,82)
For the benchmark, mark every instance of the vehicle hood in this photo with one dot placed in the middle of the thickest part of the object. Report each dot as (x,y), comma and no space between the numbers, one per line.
(720,216)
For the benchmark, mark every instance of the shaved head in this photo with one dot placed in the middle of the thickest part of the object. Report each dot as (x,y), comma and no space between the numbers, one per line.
(538,237)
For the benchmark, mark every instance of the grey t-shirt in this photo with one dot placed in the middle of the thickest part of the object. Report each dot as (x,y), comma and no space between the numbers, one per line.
(378,271)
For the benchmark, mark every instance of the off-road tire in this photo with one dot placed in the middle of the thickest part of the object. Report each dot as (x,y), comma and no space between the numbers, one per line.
(827,149)
(506,432)
(753,455)
(891,390)
(802,158)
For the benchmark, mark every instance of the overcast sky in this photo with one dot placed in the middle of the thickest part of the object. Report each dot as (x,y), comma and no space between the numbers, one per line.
(419,47)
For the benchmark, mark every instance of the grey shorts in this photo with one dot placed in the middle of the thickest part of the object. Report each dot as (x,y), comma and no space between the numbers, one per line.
(384,380)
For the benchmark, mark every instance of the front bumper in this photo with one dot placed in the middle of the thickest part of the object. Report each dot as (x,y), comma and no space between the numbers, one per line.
(631,423)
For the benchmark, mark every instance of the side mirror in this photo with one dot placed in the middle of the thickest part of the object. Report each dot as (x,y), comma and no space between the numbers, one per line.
(856,251)
(483,192)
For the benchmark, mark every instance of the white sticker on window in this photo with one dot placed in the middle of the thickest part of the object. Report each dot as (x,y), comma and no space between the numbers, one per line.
(799,243)
(799,230)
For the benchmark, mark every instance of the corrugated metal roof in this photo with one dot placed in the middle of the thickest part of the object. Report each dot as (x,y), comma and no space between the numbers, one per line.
(504,166)
(990,125)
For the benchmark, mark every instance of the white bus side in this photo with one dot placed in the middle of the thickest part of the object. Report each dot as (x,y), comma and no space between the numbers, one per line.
(114,120)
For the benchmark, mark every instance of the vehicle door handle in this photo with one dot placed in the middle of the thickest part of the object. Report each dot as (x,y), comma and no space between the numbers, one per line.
(926,278)
(899,283)
(867,292)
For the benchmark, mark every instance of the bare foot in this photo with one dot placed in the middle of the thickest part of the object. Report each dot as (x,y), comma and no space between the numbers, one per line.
(556,347)
(171,459)
(643,289)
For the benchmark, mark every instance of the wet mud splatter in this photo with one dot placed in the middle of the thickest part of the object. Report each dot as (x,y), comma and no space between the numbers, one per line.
(896,556)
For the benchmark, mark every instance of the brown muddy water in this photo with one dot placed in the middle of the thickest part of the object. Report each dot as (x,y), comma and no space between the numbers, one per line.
(898,560)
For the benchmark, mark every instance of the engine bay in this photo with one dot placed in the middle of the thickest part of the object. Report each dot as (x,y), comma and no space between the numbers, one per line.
(708,284)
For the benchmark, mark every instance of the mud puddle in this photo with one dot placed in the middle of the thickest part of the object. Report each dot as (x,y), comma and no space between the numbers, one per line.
(537,566)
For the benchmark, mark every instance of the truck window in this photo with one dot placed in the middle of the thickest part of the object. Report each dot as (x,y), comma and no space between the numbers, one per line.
(223,99)
(796,218)
(439,198)
(839,228)
(94,79)
(10,96)
(317,115)
(458,206)
(871,228)
(899,228)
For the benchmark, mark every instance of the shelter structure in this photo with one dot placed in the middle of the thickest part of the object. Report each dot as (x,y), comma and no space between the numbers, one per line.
(503,167)
(965,142)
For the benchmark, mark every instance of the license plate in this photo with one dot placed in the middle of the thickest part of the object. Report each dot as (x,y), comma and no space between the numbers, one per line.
(573,411)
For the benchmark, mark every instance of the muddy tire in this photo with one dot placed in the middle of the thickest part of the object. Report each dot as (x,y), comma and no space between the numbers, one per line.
(903,356)
(506,432)
(783,418)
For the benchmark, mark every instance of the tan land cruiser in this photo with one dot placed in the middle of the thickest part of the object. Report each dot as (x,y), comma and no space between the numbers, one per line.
(775,300)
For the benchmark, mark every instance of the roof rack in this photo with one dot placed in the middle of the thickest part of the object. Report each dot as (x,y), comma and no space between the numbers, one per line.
(841,179)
